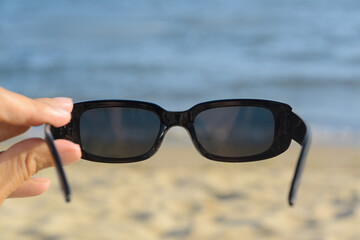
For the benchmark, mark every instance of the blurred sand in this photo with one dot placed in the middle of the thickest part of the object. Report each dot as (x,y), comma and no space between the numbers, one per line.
(177,194)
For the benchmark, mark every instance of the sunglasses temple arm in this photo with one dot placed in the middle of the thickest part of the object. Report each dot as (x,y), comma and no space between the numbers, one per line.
(49,138)
(301,134)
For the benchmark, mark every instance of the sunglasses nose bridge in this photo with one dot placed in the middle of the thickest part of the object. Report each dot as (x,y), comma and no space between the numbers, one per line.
(176,119)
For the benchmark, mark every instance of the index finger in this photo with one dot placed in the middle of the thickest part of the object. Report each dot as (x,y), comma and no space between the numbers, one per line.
(19,110)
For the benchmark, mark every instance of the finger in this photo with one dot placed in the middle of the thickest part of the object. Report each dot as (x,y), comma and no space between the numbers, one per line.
(8,131)
(9,128)
(69,152)
(32,187)
(25,158)
(60,102)
(20,110)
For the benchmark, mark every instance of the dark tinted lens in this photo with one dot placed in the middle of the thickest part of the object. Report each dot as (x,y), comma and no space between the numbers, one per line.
(238,131)
(118,132)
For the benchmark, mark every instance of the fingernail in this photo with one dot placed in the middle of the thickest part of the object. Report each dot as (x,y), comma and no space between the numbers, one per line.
(61,111)
(78,150)
(63,102)
(76,147)
(40,180)
(64,99)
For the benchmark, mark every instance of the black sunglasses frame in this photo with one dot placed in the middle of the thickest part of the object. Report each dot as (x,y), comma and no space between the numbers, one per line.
(64,184)
(288,126)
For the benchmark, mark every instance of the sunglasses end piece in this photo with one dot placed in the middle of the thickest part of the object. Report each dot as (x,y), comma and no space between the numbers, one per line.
(67,198)
(291,202)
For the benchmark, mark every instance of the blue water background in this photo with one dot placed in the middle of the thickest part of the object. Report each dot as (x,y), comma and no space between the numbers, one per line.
(178,53)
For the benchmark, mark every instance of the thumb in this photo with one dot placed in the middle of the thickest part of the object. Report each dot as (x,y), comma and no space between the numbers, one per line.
(26,158)
(32,187)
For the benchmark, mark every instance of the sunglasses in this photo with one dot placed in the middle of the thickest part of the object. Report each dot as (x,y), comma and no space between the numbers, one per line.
(237,130)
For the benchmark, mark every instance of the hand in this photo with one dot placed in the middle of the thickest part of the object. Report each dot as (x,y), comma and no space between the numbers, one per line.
(21,161)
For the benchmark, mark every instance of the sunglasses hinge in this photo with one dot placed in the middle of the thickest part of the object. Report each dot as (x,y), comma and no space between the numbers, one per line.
(65,132)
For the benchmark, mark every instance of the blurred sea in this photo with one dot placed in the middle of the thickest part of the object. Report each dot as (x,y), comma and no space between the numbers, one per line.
(178,53)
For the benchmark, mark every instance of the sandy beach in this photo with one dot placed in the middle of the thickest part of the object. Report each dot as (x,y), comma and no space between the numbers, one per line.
(178,194)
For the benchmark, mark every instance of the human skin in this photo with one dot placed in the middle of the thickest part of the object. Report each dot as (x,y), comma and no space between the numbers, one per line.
(21,161)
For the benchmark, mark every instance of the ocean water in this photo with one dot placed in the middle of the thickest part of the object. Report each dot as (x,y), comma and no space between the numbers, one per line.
(178,53)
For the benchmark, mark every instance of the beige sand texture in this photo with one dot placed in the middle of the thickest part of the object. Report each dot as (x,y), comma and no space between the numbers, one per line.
(178,194)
